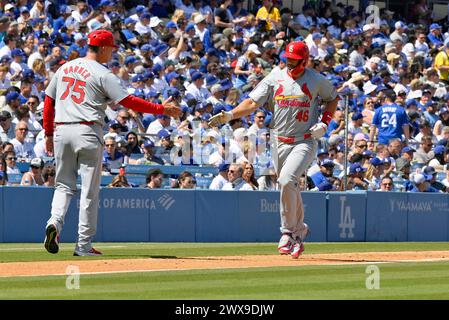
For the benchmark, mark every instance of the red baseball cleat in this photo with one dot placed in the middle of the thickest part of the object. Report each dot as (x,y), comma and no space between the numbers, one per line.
(286,244)
(298,249)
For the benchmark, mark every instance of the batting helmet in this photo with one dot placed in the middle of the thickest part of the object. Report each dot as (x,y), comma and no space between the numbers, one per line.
(297,50)
(101,38)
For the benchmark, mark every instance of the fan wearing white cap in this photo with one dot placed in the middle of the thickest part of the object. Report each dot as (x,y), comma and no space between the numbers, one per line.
(269,54)
(421,183)
(353,82)
(156,27)
(368,29)
(217,97)
(399,27)
(8,7)
(372,64)
(243,67)
(201,31)
(34,176)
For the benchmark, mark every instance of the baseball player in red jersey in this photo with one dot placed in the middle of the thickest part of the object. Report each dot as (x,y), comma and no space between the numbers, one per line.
(74,113)
(296,129)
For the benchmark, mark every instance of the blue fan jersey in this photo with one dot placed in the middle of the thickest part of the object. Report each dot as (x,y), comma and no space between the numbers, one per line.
(389,120)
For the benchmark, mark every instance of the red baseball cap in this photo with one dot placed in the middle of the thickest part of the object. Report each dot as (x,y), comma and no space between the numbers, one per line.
(101,38)
(297,50)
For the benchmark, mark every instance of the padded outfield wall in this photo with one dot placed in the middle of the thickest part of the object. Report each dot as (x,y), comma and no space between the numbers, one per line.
(142,215)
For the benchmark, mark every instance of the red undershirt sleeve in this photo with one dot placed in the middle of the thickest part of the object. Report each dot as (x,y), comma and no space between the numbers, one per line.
(49,116)
(140,105)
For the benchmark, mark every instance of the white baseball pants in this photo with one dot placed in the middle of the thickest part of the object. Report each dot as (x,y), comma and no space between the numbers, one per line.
(290,162)
(78,147)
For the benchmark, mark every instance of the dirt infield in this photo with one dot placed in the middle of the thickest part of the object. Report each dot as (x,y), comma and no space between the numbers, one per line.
(46,268)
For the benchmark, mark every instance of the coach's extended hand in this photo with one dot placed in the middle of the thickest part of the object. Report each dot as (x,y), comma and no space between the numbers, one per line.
(170,109)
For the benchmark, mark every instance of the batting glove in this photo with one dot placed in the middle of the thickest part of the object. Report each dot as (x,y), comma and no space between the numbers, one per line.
(220,118)
(318,130)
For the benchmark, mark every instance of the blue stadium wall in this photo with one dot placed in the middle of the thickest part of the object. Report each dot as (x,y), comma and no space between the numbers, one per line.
(142,215)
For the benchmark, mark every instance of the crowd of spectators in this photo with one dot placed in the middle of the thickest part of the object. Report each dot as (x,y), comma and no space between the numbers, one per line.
(392,74)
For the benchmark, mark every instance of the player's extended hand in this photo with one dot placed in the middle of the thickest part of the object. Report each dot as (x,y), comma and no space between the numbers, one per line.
(170,109)
(318,130)
(220,118)
(49,147)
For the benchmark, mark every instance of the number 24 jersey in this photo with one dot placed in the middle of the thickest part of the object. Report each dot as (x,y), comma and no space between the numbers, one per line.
(389,120)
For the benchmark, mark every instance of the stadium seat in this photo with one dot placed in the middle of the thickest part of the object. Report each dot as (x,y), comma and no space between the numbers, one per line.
(337,172)
(168,170)
(399,183)
(135,156)
(15,178)
(105,180)
(137,169)
(417,166)
(136,181)
(203,182)
(23,166)
(48,160)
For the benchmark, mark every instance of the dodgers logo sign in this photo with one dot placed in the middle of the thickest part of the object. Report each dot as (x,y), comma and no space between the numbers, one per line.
(347,224)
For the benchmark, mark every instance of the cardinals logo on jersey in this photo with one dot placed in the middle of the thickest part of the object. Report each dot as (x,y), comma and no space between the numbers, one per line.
(292,100)
(279,91)
(306,91)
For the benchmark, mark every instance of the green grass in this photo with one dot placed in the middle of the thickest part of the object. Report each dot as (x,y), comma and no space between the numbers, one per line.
(36,252)
(428,280)
(397,281)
